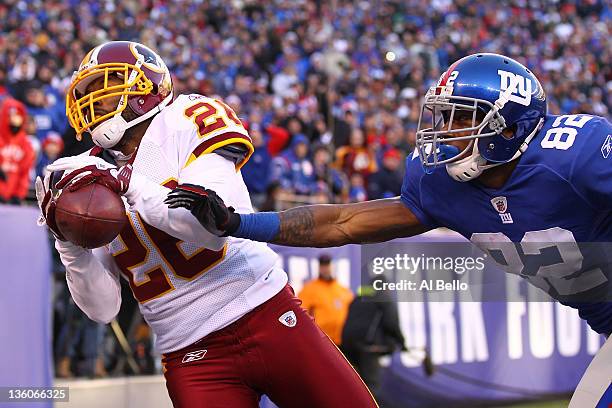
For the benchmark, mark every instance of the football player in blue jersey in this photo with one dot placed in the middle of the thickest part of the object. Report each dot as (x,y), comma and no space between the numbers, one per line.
(492,165)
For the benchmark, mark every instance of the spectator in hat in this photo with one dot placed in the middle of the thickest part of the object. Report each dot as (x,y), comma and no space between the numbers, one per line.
(16,152)
(387,181)
(327,300)
(293,169)
(52,145)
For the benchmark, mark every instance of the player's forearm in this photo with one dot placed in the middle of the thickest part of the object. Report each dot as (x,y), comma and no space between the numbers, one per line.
(94,289)
(330,225)
(311,226)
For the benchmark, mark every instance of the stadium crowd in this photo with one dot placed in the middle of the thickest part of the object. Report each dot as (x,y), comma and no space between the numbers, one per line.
(328,90)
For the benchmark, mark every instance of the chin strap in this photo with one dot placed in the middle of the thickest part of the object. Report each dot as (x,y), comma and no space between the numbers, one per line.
(108,133)
(472,166)
(467,168)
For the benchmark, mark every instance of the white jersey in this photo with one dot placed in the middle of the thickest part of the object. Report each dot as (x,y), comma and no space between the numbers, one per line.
(185,289)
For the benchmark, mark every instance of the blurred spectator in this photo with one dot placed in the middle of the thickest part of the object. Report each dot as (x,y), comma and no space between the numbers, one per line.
(387,181)
(273,196)
(48,123)
(330,182)
(356,158)
(52,146)
(21,75)
(16,153)
(326,300)
(256,172)
(78,347)
(293,169)
(357,190)
(3,89)
(371,330)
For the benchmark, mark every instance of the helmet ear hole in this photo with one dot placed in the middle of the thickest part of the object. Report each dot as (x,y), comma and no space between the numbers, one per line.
(129,114)
(155,89)
(510,131)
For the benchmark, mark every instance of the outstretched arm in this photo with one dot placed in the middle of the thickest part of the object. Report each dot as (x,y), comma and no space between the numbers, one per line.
(334,225)
(313,226)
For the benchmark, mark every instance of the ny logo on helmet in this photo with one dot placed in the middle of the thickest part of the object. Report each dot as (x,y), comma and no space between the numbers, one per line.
(520,91)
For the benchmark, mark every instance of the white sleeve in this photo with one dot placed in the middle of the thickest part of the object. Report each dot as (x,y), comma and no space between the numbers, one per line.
(214,172)
(147,197)
(92,280)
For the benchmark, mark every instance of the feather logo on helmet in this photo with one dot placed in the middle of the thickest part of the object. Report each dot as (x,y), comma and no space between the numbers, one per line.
(149,58)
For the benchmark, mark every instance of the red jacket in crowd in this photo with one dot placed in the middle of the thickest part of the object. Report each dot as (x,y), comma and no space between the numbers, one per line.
(16,152)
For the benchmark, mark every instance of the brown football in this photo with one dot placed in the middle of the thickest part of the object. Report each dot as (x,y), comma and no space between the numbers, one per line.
(91,216)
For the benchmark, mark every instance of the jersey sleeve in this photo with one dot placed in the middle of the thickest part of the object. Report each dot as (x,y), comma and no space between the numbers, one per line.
(210,125)
(93,281)
(591,173)
(411,195)
(216,173)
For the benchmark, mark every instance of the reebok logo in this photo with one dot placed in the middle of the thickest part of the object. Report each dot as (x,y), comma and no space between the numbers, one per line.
(194,356)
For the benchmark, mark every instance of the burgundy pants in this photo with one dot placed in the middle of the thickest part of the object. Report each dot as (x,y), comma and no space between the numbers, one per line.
(294,363)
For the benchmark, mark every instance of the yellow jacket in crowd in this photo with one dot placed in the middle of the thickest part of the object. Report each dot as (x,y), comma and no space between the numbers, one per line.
(328,302)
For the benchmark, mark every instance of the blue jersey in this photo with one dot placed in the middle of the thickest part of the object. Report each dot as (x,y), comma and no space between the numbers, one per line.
(547,222)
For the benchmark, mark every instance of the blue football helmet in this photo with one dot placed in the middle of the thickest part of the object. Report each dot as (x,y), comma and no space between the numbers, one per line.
(499,95)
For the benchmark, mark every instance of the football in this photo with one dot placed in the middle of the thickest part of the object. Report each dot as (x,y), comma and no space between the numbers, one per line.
(91,216)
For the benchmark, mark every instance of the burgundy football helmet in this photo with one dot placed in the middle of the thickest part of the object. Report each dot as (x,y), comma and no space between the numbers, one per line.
(146,88)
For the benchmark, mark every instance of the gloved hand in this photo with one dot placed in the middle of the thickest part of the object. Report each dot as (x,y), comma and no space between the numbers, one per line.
(207,207)
(46,195)
(84,170)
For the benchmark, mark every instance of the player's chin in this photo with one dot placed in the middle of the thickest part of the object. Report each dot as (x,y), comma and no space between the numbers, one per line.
(461,145)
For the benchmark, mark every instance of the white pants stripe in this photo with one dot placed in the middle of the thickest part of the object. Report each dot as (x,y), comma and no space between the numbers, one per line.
(596,379)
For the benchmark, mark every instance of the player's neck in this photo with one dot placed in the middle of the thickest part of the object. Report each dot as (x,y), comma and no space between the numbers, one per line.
(496,177)
(132,138)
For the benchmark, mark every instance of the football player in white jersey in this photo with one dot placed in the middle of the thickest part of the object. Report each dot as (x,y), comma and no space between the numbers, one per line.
(228,325)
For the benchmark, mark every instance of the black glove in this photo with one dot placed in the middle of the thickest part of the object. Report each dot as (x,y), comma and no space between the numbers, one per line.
(207,207)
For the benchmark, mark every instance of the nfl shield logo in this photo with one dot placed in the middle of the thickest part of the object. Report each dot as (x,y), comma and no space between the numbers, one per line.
(500,204)
(288,319)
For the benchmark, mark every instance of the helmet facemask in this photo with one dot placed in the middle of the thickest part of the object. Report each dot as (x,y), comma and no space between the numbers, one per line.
(80,107)
(436,134)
